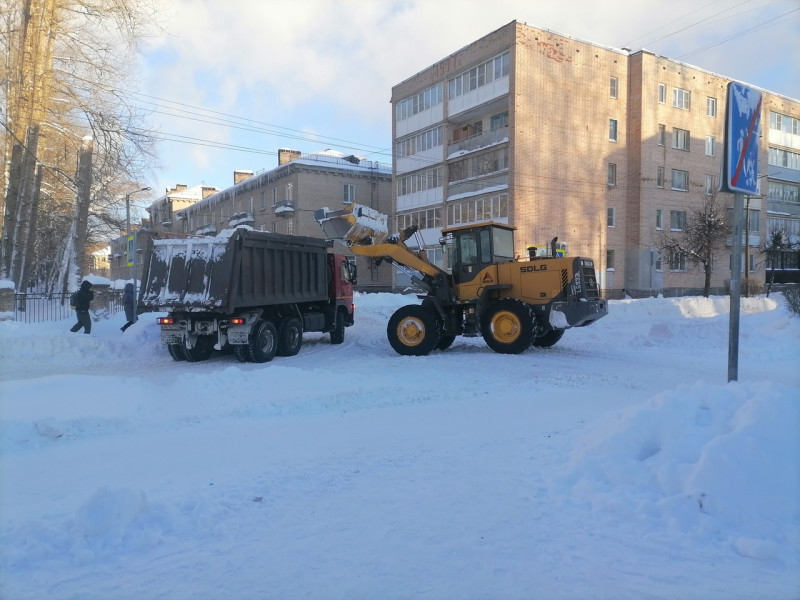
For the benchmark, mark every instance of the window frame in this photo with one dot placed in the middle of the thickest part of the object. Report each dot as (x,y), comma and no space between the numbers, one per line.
(685,175)
(681,139)
(613,85)
(611,216)
(611,175)
(613,130)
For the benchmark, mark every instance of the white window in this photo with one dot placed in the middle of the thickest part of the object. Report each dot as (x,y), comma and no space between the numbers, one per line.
(289,192)
(662,134)
(659,219)
(711,107)
(681,98)
(660,177)
(611,216)
(612,175)
(612,130)
(680,180)
(349,193)
(659,265)
(680,139)
(290,226)
(711,143)
(613,87)
(274,196)
(709,185)
(263,199)
(662,93)
(677,220)
(677,261)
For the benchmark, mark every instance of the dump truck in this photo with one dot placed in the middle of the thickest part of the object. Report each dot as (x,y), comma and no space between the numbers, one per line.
(250,291)
(486,291)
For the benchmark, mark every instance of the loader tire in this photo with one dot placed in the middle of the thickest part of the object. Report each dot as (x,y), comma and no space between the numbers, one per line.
(290,337)
(508,326)
(202,350)
(413,331)
(445,341)
(242,353)
(548,339)
(263,342)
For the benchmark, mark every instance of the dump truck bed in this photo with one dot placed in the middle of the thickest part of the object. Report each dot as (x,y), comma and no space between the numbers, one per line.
(245,269)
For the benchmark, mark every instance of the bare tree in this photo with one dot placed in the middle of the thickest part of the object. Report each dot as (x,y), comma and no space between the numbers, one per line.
(702,237)
(62,57)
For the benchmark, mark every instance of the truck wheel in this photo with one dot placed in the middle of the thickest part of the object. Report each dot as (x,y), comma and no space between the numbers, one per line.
(202,349)
(176,352)
(546,340)
(290,337)
(337,334)
(263,342)
(413,331)
(242,353)
(507,326)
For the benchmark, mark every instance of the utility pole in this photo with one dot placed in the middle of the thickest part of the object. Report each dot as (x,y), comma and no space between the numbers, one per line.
(131,244)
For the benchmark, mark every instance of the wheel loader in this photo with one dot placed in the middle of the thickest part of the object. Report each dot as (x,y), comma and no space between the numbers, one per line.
(513,304)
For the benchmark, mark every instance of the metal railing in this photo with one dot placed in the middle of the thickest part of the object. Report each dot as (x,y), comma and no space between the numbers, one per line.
(34,307)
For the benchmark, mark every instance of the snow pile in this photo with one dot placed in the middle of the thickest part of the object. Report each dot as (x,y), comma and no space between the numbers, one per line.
(619,463)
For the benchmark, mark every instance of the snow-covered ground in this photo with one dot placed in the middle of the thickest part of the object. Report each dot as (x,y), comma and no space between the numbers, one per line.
(618,464)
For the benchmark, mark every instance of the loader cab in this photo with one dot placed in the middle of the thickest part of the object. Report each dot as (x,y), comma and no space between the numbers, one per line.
(471,248)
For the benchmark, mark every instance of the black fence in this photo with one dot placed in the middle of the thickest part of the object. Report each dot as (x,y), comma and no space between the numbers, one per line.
(39,307)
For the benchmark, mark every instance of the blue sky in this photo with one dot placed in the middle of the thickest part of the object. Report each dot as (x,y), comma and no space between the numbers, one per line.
(229,83)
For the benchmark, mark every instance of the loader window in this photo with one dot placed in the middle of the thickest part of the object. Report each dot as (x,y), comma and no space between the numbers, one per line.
(486,247)
(503,244)
(468,246)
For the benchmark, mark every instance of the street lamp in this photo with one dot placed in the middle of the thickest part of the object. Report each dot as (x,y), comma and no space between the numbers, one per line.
(131,242)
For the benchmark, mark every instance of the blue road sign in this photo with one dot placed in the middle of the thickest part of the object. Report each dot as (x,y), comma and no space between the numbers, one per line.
(131,250)
(743,114)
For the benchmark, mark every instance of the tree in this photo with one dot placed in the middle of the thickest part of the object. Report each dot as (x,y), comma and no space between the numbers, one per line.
(61,57)
(702,236)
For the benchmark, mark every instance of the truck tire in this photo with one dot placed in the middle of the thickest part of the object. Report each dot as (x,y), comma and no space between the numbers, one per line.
(548,339)
(508,326)
(242,353)
(203,348)
(337,333)
(263,342)
(176,352)
(413,331)
(290,337)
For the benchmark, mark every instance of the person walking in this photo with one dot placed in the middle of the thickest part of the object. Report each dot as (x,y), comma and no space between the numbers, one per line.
(127,302)
(81,301)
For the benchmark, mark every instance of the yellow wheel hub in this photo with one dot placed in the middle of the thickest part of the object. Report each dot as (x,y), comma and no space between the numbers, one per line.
(411,331)
(506,327)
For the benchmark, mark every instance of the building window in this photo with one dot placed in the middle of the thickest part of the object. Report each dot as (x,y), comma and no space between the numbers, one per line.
(681,98)
(660,177)
(612,175)
(680,139)
(290,226)
(420,142)
(610,262)
(778,157)
(612,130)
(479,76)
(263,199)
(711,144)
(419,182)
(659,219)
(662,93)
(289,194)
(417,103)
(349,193)
(709,185)
(659,265)
(611,216)
(613,87)
(711,107)
(677,220)
(680,180)
(753,220)
(662,135)
(677,261)
(498,121)
(479,165)
(274,196)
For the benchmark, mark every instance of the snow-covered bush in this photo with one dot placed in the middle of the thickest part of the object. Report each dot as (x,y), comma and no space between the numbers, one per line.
(792,296)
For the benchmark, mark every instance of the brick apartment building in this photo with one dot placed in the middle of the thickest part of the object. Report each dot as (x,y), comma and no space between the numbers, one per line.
(600,147)
(283,200)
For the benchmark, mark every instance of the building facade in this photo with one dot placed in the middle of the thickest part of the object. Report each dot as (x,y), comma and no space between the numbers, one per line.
(600,147)
(284,199)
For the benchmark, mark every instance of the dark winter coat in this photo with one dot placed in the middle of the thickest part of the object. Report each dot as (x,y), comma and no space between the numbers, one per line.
(84,297)
(127,302)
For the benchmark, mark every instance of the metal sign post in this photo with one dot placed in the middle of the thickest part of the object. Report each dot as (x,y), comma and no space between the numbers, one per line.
(740,177)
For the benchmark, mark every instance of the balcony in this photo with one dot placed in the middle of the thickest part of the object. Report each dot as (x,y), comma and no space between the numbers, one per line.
(284,209)
(242,218)
(477,142)
(471,187)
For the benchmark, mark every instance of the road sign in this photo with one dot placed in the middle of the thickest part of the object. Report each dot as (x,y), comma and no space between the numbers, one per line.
(131,251)
(743,115)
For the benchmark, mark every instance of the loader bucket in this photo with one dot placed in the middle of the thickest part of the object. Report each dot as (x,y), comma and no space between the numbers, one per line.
(356,225)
